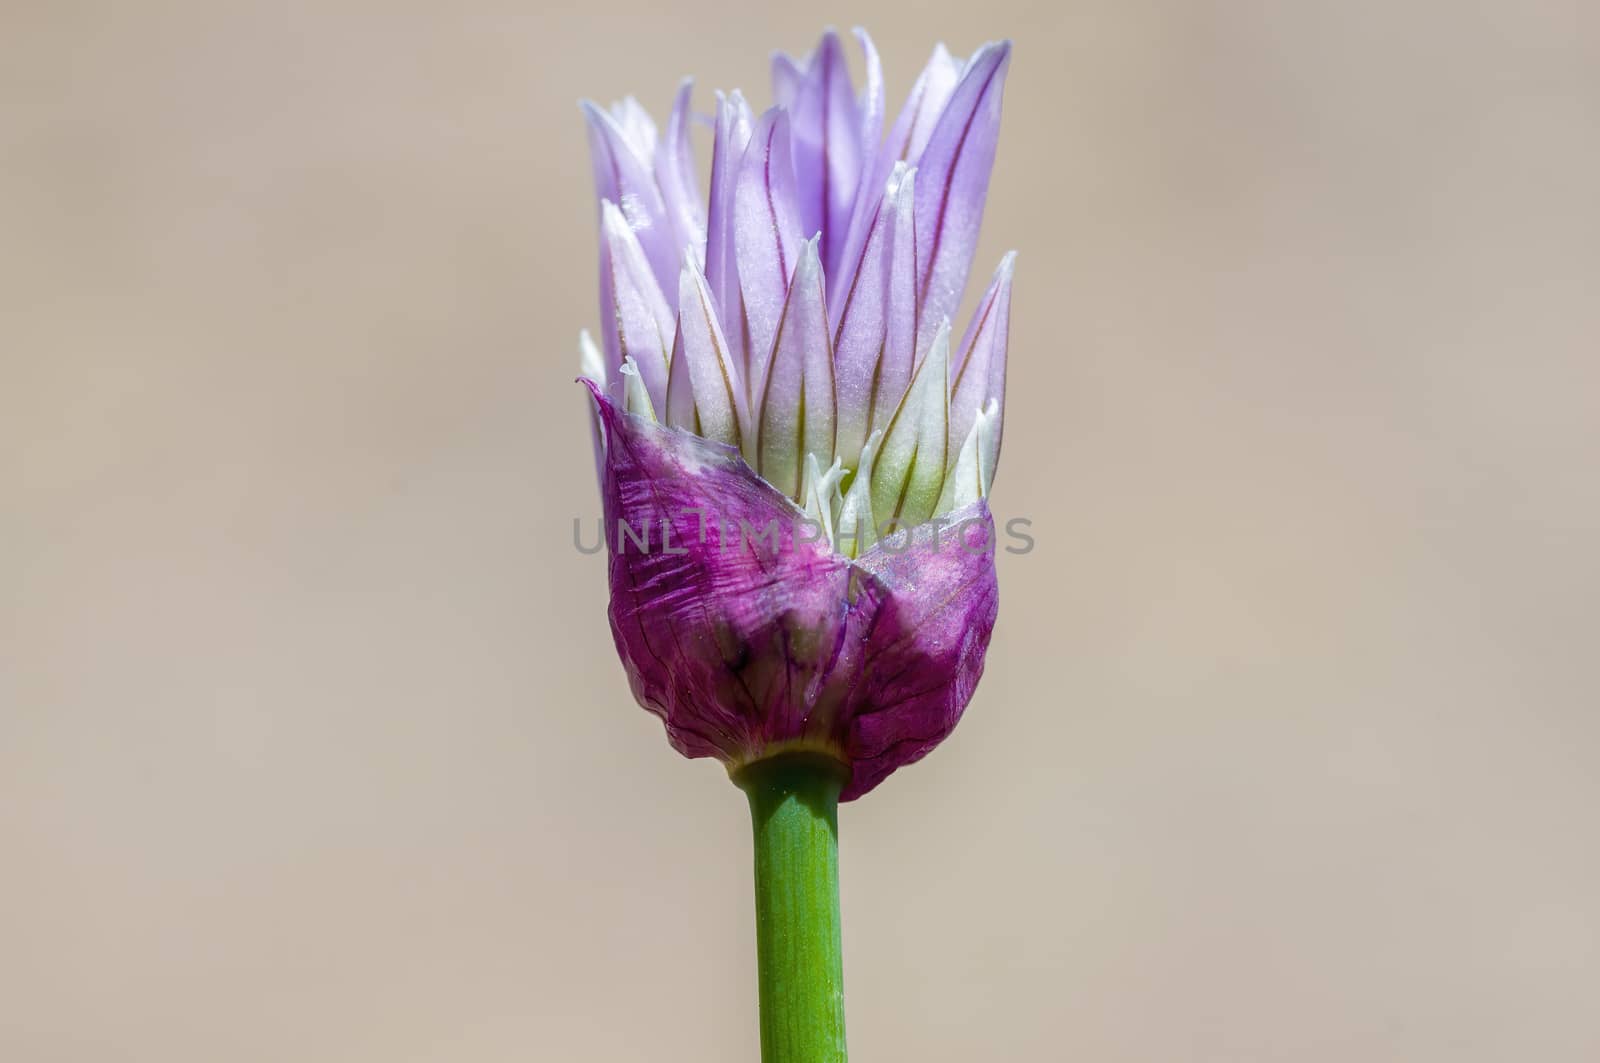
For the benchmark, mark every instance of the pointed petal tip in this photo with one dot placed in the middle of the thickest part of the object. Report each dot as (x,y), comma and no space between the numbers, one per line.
(991,52)
(591,363)
(596,395)
(869,451)
(635,396)
(609,411)
(600,117)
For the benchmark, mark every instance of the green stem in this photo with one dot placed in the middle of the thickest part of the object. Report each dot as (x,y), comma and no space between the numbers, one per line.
(794,803)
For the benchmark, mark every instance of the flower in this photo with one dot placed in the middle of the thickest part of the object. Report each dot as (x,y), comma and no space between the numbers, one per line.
(779,403)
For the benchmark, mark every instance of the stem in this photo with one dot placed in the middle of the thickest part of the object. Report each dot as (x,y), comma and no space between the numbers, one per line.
(794,804)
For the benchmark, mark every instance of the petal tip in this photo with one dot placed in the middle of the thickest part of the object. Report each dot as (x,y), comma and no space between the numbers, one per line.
(602,405)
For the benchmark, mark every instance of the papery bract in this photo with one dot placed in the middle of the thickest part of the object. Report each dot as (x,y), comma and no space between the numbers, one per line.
(746,639)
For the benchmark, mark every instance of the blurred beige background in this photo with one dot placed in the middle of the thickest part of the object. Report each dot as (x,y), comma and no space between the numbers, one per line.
(312,742)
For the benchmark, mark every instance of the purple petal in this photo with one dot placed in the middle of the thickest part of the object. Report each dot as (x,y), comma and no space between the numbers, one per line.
(716,394)
(797,405)
(635,320)
(900,318)
(766,235)
(638,128)
(911,128)
(862,321)
(623,178)
(926,102)
(871,103)
(746,639)
(722,274)
(954,183)
(787,74)
(871,138)
(827,148)
(680,188)
(979,374)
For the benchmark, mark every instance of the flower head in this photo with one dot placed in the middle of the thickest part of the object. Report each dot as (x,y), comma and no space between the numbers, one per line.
(781,405)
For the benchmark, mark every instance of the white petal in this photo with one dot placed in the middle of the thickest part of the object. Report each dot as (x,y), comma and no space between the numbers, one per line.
(989,443)
(797,401)
(635,396)
(708,369)
(638,128)
(968,480)
(591,363)
(909,474)
(821,493)
(856,529)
